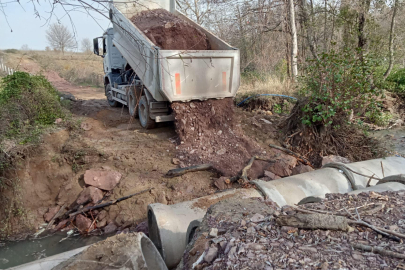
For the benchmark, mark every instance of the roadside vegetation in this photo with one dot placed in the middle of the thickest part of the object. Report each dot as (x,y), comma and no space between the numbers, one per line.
(28,105)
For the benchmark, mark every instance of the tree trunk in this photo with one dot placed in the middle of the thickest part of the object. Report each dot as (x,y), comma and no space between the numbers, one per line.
(294,42)
(362,40)
(391,41)
(308,25)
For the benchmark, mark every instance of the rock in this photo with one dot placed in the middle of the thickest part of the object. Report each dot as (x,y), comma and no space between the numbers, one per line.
(111,227)
(357,256)
(214,232)
(284,166)
(102,215)
(257,218)
(243,223)
(175,161)
(211,254)
(155,168)
(85,126)
(84,224)
(221,151)
(61,225)
(102,223)
(106,180)
(301,169)
(255,246)
(90,193)
(51,213)
(250,230)
(222,183)
(333,158)
(58,121)
(271,175)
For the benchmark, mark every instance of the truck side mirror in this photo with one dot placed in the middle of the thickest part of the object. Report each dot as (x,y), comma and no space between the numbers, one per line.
(95,46)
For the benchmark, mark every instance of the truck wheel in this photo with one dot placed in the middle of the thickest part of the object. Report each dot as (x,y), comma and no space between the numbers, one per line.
(132,102)
(108,93)
(144,119)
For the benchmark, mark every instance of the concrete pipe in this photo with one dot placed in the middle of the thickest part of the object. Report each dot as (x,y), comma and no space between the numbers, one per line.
(49,262)
(290,190)
(123,251)
(168,224)
(390,186)
(191,230)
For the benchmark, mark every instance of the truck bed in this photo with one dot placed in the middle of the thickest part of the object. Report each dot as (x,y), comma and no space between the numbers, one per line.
(175,75)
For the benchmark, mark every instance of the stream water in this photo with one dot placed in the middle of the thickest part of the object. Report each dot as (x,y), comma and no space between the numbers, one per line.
(20,252)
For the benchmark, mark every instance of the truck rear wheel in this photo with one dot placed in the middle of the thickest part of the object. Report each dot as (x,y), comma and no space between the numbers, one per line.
(109,94)
(144,117)
(132,103)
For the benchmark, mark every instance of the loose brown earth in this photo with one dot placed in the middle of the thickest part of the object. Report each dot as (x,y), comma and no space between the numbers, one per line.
(209,132)
(169,32)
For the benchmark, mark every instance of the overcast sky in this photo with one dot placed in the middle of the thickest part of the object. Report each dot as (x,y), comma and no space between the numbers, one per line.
(30,30)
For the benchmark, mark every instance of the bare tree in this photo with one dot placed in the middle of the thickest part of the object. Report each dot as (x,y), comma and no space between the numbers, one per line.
(391,40)
(294,41)
(87,46)
(60,38)
(25,48)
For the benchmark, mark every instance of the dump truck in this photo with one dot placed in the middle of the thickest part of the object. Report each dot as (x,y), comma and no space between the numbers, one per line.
(147,78)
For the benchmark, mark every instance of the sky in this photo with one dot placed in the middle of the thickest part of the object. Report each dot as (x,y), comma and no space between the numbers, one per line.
(28,29)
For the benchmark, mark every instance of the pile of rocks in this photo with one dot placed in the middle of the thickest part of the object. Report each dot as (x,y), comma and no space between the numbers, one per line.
(99,183)
(246,235)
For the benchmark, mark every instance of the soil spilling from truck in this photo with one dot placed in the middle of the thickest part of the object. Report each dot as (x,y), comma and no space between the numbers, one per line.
(170,32)
(209,133)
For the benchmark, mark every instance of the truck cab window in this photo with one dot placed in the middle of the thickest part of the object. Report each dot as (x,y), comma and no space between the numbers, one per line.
(104,47)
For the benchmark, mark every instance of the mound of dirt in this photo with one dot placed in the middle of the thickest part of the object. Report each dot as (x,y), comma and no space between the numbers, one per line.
(169,32)
(209,133)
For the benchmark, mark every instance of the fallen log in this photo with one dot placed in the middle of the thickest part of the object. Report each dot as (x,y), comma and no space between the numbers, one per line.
(378,250)
(86,209)
(301,158)
(314,221)
(181,171)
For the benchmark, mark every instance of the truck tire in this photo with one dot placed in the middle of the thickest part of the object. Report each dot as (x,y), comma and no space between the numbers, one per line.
(132,103)
(108,93)
(144,118)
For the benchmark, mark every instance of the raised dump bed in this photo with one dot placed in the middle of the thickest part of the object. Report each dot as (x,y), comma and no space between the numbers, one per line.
(174,74)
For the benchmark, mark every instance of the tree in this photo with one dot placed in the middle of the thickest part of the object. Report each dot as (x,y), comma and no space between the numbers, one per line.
(25,48)
(391,40)
(60,38)
(87,46)
(294,42)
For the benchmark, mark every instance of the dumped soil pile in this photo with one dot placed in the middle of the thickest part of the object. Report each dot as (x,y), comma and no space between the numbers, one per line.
(169,32)
(250,237)
(209,133)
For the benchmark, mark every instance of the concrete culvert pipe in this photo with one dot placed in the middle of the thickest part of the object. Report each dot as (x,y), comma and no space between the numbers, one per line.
(123,251)
(291,190)
(389,186)
(191,230)
(168,224)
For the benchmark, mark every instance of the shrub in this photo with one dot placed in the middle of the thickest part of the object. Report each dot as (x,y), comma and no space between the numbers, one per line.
(396,81)
(27,105)
(337,84)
